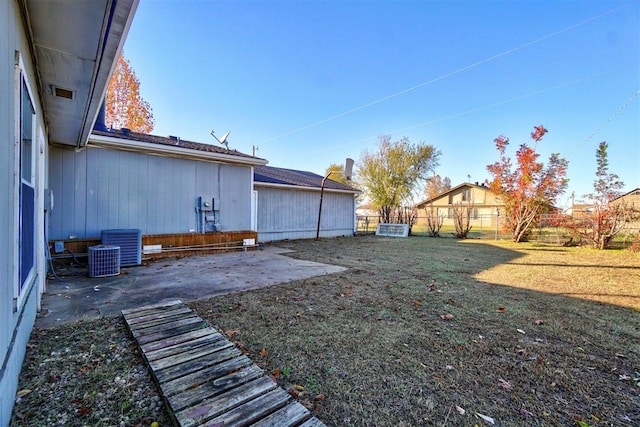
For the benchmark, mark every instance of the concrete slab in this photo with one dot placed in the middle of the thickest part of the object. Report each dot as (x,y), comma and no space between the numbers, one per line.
(187,279)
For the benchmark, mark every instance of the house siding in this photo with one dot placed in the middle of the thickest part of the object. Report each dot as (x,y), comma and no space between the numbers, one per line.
(16,317)
(98,188)
(483,202)
(286,213)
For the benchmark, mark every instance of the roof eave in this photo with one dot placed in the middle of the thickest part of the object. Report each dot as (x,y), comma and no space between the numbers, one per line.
(118,28)
(171,151)
(304,188)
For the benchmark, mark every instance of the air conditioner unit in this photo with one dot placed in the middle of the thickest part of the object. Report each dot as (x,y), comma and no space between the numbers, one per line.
(104,260)
(130,242)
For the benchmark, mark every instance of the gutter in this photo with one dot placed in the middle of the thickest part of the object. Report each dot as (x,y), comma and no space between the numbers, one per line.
(119,14)
(303,188)
(101,141)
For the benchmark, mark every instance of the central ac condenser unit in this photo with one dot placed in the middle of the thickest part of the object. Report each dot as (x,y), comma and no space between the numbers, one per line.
(130,242)
(104,260)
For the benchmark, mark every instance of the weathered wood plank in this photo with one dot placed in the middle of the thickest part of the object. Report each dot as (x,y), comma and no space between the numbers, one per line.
(313,422)
(175,324)
(185,357)
(291,415)
(160,306)
(218,405)
(193,396)
(252,411)
(170,332)
(204,378)
(153,319)
(205,375)
(177,371)
(183,347)
(176,339)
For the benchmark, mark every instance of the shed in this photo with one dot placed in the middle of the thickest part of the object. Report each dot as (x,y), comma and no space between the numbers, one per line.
(288,201)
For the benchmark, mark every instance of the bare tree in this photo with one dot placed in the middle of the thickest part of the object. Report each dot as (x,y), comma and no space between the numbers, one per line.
(434,221)
(462,213)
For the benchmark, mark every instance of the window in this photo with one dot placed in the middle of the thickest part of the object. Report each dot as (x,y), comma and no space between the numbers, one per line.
(27,225)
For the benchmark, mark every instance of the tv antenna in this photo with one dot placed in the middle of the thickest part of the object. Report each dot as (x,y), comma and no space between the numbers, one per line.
(223,140)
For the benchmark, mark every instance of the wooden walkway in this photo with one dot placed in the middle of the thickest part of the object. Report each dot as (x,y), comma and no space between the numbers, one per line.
(203,377)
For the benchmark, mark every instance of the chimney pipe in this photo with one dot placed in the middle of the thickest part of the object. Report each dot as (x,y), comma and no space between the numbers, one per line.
(101,120)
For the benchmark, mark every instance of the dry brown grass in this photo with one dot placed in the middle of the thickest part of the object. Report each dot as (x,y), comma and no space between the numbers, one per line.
(525,343)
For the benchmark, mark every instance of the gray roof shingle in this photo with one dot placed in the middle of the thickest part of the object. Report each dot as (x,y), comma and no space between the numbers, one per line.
(272,175)
(173,141)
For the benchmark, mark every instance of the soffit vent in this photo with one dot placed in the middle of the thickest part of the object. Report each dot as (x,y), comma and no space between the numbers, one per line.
(62,92)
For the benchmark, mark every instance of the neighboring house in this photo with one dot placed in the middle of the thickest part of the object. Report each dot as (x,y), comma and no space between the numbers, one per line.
(484,205)
(56,58)
(133,180)
(288,202)
(368,210)
(631,199)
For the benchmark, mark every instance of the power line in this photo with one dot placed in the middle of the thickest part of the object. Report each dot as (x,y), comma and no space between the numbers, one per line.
(452,73)
(462,113)
(606,122)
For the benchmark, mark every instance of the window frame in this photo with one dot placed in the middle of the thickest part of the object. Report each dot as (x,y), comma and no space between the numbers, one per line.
(26,186)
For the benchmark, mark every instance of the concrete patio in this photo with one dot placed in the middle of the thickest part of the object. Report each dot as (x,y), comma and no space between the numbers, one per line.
(187,279)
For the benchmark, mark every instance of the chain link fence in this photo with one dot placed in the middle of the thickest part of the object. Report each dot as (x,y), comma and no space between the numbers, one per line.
(489,227)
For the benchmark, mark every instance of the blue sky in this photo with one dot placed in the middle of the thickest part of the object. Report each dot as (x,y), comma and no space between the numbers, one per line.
(312,82)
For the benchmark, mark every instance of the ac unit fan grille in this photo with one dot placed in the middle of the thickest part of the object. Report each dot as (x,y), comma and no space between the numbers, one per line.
(104,260)
(130,242)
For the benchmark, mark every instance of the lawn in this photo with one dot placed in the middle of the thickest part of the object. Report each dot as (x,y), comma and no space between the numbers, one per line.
(425,331)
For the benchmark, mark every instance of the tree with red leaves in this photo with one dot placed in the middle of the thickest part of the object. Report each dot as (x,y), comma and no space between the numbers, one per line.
(529,189)
(607,217)
(125,106)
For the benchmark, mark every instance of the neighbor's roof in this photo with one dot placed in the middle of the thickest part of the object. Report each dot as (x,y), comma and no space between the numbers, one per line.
(171,146)
(634,192)
(290,177)
(451,190)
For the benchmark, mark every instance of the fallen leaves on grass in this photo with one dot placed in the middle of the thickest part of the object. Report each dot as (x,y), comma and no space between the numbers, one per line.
(232,333)
(263,352)
(447,316)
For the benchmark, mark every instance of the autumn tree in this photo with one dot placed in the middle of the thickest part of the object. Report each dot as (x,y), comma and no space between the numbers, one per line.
(606,218)
(390,175)
(125,106)
(436,185)
(529,188)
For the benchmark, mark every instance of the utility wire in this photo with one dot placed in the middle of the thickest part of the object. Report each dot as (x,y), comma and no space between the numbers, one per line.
(462,113)
(606,122)
(452,73)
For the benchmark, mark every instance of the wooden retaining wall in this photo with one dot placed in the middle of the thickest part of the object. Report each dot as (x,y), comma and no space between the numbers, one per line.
(178,244)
